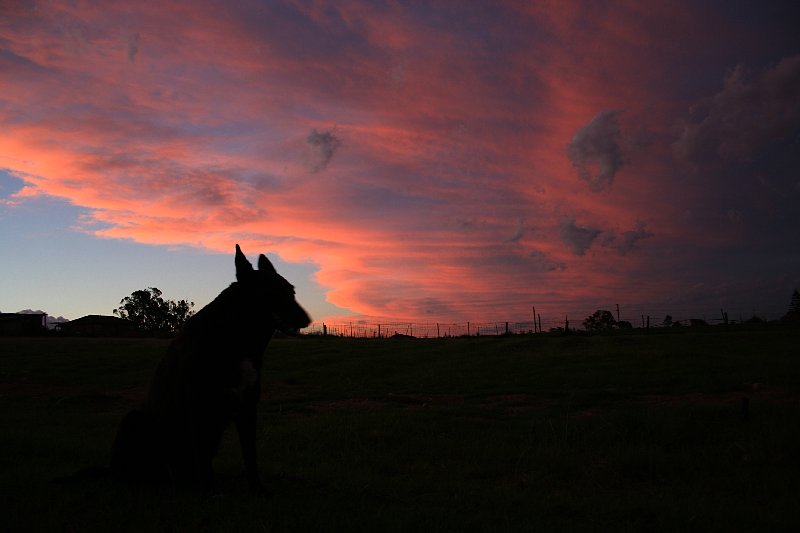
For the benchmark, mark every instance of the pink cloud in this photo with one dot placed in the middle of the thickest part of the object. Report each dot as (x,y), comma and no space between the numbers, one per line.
(423,167)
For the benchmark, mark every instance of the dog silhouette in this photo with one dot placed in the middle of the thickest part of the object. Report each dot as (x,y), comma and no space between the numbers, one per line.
(209,377)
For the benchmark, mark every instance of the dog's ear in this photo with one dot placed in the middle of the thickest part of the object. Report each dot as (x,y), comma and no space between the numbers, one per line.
(264,265)
(243,266)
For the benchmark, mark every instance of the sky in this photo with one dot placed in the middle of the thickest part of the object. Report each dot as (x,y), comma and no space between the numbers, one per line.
(406,161)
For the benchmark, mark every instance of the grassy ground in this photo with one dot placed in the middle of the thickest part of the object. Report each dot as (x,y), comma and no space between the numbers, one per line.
(606,433)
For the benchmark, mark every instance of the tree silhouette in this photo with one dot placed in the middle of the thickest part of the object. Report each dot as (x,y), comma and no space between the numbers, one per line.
(794,308)
(794,305)
(152,314)
(600,320)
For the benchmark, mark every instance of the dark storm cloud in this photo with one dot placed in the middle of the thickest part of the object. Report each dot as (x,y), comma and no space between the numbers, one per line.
(133,46)
(597,145)
(21,68)
(323,145)
(581,238)
(541,263)
(626,241)
(518,233)
(747,115)
(578,238)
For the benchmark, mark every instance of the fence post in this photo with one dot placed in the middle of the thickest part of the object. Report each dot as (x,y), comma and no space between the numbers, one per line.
(437,330)
(540,323)
(324,330)
(467,329)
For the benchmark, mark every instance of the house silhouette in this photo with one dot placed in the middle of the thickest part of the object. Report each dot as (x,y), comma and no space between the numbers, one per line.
(22,324)
(99,326)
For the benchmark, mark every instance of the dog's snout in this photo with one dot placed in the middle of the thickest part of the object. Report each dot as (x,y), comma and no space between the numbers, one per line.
(303,320)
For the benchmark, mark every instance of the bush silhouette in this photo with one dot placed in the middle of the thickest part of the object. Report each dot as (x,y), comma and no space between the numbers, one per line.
(600,320)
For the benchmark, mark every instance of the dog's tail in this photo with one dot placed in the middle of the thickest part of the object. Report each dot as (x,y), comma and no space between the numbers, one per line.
(88,473)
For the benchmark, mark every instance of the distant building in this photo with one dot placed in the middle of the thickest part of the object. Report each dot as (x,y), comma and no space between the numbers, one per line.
(22,324)
(99,326)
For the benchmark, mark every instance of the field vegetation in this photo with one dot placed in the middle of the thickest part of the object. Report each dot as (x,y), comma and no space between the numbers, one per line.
(623,432)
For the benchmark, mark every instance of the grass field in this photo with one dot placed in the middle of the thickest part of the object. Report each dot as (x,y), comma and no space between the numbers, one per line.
(524,433)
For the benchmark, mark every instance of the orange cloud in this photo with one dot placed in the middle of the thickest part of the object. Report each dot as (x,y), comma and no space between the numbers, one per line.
(422,166)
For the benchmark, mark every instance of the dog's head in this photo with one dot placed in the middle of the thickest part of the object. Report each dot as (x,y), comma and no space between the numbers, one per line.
(274,294)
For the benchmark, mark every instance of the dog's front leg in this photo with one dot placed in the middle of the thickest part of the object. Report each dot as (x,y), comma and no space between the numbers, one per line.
(205,474)
(246,426)
(202,441)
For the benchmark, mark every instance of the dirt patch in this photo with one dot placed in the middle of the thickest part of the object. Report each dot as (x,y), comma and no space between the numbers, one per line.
(518,404)
(759,394)
(282,391)
(425,401)
(515,404)
(522,404)
(350,404)
(61,391)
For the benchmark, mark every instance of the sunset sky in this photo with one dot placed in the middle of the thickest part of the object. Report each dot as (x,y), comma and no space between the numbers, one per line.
(418,161)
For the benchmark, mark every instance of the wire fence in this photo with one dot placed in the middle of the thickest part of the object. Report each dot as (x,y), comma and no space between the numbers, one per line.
(362,329)
(462,329)
(422,330)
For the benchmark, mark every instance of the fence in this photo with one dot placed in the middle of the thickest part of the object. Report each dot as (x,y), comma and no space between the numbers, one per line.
(459,329)
(423,330)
